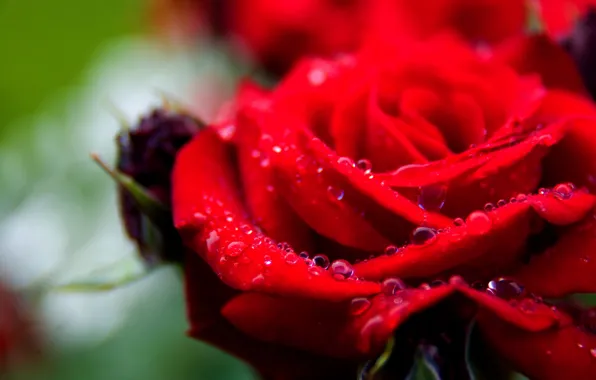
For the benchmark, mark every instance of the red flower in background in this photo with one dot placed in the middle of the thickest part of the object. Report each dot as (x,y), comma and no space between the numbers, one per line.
(18,339)
(358,198)
(278,33)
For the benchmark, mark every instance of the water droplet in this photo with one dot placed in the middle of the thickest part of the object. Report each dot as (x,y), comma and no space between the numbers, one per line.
(512,200)
(392,285)
(246,228)
(359,306)
(505,288)
(335,194)
(527,306)
(303,255)
(267,260)
(563,190)
(543,191)
(235,249)
(521,197)
(585,259)
(546,140)
(593,352)
(458,222)
(437,283)
(489,207)
(457,280)
(277,149)
(265,162)
(423,235)
(316,77)
(341,269)
(364,165)
(432,197)
(345,161)
(391,250)
(478,223)
(424,286)
(258,279)
(255,153)
(501,203)
(291,258)
(315,270)
(321,261)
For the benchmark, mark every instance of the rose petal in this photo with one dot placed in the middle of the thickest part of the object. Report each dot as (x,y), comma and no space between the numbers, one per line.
(205,296)
(355,330)
(574,158)
(211,222)
(497,169)
(566,268)
(488,244)
(391,214)
(539,54)
(275,217)
(565,353)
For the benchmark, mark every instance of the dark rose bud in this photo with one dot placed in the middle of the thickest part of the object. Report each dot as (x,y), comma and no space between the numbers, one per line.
(581,44)
(146,154)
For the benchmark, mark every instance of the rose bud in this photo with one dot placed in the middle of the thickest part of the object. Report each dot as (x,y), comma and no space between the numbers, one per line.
(146,155)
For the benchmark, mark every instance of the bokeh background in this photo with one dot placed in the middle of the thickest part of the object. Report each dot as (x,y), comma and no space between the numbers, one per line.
(71,73)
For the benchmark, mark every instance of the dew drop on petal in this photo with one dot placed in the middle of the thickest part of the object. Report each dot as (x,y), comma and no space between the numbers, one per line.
(341,269)
(335,194)
(315,270)
(359,306)
(424,286)
(423,235)
(593,352)
(432,197)
(521,197)
(457,280)
(563,191)
(258,279)
(267,260)
(303,255)
(235,249)
(458,222)
(489,207)
(391,250)
(345,161)
(291,258)
(478,223)
(321,261)
(501,203)
(392,285)
(505,288)
(437,283)
(364,165)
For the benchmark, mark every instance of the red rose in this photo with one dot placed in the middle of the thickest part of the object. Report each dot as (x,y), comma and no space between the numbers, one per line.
(318,212)
(278,33)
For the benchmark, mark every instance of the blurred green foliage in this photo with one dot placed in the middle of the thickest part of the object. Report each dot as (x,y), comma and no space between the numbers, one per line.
(46,45)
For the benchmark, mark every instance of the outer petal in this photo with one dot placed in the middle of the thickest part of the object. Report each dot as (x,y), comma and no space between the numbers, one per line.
(539,54)
(332,329)
(205,295)
(567,267)
(488,244)
(565,353)
(212,223)
(273,214)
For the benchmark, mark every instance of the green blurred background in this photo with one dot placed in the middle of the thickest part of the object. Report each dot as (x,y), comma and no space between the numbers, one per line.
(66,65)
